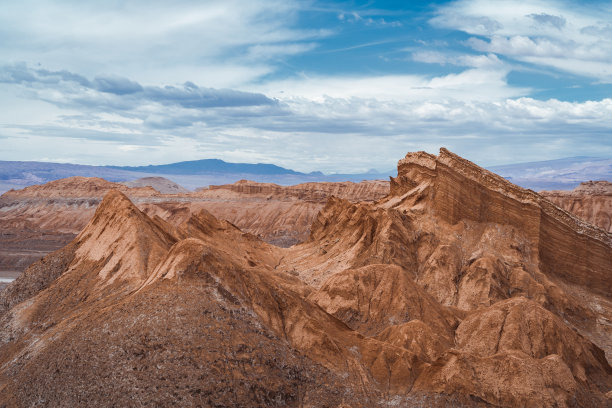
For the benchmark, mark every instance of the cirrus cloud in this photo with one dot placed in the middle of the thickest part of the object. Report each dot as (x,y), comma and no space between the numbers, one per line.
(288,82)
(546,33)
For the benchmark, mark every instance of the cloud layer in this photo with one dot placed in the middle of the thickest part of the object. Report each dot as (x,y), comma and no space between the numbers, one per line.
(260,82)
(559,35)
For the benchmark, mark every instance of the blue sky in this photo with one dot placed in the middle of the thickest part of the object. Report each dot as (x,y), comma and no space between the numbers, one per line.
(331,86)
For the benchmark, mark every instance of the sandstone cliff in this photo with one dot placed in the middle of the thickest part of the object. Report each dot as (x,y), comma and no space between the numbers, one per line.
(457,289)
(367,190)
(590,201)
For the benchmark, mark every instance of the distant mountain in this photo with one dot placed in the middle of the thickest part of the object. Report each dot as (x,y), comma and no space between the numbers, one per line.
(560,174)
(189,174)
(208,166)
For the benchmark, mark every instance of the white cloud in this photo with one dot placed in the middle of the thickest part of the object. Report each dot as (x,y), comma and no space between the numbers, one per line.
(330,128)
(474,61)
(264,52)
(156,41)
(355,17)
(548,33)
(106,90)
(484,81)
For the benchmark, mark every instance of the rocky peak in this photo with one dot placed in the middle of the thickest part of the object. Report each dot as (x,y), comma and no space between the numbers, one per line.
(599,187)
(120,236)
(459,190)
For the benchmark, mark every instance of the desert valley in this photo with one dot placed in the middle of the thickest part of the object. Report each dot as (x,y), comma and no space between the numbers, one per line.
(306,203)
(445,286)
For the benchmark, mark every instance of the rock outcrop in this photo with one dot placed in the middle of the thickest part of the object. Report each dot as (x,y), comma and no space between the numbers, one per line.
(161,184)
(591,201)
(367,190)
(454,290)
(458,190)
(40,219)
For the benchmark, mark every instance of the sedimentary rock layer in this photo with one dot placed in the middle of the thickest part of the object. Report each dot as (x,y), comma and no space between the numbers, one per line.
(40,219)
(454,290)
(591,201)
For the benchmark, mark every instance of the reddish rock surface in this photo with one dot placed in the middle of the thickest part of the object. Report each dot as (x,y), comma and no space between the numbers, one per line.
(40,219)
(457,289)
(590,201)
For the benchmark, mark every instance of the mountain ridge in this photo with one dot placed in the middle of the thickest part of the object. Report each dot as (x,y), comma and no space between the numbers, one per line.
(457,288)
(204,166)
(556,174)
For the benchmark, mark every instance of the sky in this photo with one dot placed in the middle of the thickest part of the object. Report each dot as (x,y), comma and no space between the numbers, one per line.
(308,85)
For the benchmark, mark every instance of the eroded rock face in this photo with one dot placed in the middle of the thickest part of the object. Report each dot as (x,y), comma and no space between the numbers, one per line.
(516,349)
(375,297)
(454,290)
(590,201)
(161,184)
(40,219)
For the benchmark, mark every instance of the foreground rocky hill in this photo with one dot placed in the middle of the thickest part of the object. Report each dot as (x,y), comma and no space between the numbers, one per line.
(590,201)
(456,289)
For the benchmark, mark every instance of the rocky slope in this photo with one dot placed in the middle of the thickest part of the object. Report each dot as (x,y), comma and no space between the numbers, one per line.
(161,184)
(457,289)
(367,190)
(590,201)
(40,219)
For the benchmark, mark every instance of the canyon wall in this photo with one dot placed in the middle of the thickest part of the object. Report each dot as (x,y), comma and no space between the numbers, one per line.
(591,201)
(459,190)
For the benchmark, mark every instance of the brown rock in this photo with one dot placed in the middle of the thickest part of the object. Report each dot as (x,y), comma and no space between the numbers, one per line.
(375,297)
(457,289)
(591,201)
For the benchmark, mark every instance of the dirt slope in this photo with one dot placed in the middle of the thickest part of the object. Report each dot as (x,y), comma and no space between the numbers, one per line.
(457,289)
(40,219)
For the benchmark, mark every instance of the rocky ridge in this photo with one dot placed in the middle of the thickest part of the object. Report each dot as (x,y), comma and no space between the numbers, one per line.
(161,184)
(590,201)
(454,290)
(367,190)
(39,219)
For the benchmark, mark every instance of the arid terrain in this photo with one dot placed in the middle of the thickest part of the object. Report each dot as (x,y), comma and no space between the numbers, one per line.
(590,201)
(40,219)
(448,286)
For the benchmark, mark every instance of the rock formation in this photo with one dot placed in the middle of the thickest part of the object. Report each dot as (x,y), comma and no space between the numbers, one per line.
(367,190)
(161,184)
(590,201)
(456,289)
(40,219)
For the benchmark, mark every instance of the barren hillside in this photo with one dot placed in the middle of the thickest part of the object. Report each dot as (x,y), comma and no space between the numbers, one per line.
(591,201)
(40,219)
(456,289)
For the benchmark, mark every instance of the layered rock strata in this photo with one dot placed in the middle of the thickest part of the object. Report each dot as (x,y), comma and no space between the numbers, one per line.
(454,290)
(591,201)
